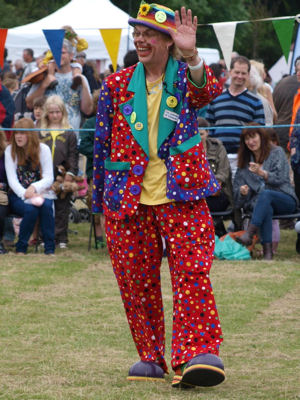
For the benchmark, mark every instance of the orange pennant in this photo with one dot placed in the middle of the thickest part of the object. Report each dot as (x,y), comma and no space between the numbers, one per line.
(3,34)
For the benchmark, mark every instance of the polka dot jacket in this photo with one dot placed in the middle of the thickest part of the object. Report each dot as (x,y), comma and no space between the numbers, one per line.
(121,152)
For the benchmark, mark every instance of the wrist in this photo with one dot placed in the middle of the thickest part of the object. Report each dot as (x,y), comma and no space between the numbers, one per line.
(264,174)
(191,55)
(196,66)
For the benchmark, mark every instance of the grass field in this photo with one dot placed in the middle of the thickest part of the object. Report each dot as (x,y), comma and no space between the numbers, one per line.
(64,335)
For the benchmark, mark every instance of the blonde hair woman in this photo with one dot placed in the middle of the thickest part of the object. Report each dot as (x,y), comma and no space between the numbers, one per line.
(264,89)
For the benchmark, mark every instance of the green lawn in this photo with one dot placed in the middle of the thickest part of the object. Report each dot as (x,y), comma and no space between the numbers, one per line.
(64,335)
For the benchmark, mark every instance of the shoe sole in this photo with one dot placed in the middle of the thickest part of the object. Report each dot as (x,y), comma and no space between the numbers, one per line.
(178,384)
(144,378)
(202,375)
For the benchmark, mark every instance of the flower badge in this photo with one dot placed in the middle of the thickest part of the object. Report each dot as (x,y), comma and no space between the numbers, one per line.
(144,9)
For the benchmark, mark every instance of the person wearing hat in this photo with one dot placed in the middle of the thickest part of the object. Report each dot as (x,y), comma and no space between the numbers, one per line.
(151,178)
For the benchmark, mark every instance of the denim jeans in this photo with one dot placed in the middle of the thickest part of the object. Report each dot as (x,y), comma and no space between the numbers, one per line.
(30,214)
(270,202)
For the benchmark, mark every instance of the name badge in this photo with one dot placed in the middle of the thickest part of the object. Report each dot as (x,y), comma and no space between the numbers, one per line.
(171,115)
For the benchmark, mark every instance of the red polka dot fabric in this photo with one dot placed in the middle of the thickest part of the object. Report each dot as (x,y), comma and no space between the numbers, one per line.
(135,248)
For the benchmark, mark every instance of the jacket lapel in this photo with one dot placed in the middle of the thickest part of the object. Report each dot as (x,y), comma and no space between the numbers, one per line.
(138,105)
(166,126)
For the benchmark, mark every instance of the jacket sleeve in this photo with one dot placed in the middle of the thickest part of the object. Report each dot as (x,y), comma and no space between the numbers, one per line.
(72,153)
(86,146)
(46,170)
(201,96)
(104,119)
(11,173)
(239,180)
(224,169)
(277,163)
(295,132)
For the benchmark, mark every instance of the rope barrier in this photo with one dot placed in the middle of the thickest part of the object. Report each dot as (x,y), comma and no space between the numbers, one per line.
(206,128)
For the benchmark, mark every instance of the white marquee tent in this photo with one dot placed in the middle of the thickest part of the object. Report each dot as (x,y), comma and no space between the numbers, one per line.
(86,17)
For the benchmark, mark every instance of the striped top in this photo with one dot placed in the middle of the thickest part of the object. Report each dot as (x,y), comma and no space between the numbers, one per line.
(229,110)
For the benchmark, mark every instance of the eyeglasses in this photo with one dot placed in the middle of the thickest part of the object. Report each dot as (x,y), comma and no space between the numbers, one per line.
(148,33)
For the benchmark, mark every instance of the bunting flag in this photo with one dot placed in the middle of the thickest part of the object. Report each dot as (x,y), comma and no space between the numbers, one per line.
(225,32)
(111,38)
(284,30)
(3,34)
(55,38)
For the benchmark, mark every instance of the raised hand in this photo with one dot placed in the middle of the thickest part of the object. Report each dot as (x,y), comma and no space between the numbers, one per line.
(185,36)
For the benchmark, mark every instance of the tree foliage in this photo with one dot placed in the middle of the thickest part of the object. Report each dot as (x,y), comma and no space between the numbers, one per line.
(21,12)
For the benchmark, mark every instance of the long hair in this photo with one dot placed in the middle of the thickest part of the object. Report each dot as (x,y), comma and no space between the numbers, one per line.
(56,100)
(30,152)
(2,143)
(244,154)
(260,68)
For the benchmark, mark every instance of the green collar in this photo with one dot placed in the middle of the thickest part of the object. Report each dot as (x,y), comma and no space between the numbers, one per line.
(138,104)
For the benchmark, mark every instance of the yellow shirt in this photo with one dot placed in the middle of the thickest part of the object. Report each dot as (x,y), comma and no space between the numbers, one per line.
(155,178)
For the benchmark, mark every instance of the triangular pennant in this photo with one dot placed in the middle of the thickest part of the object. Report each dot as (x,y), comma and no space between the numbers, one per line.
(225,32)
(284,30)
(111,38)
(55,38)
(3,34)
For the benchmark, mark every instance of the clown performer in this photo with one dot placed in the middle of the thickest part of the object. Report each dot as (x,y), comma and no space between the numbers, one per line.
(151,179)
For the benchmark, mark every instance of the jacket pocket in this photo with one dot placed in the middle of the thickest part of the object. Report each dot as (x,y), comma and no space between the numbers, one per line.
(116,176)
(190,168)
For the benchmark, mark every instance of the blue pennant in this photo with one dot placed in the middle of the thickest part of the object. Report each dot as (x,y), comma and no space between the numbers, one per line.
(55,39)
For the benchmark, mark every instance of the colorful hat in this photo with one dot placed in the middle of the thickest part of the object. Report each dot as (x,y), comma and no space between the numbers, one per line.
(154,16)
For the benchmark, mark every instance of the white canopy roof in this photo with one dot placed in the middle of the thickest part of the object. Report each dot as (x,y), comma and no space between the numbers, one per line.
(86,17)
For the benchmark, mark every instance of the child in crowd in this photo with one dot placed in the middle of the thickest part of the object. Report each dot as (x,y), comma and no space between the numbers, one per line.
(38,105)
(30,175)
(63,146)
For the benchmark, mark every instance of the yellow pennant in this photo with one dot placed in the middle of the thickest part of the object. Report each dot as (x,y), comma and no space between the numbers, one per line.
(111,38)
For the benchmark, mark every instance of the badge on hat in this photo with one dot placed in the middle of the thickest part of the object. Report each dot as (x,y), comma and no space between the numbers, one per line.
(160,17)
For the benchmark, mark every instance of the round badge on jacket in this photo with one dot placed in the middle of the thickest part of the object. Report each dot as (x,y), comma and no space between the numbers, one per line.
(139,126)
(172,101)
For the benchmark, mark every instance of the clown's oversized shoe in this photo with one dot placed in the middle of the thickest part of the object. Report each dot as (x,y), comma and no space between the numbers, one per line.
(145,371)
(203,370)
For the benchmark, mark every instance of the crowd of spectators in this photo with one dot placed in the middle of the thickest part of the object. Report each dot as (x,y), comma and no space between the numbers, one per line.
(64,99)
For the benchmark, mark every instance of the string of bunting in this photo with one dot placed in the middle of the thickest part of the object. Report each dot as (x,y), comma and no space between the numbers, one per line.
(225,33)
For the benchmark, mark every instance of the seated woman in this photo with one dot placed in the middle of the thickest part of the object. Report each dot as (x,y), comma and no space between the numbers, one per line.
(262,185)
(29,170)
(219,163)
(3,191)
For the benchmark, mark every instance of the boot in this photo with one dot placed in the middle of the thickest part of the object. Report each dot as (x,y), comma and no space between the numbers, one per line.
(246,238)
(267,249)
